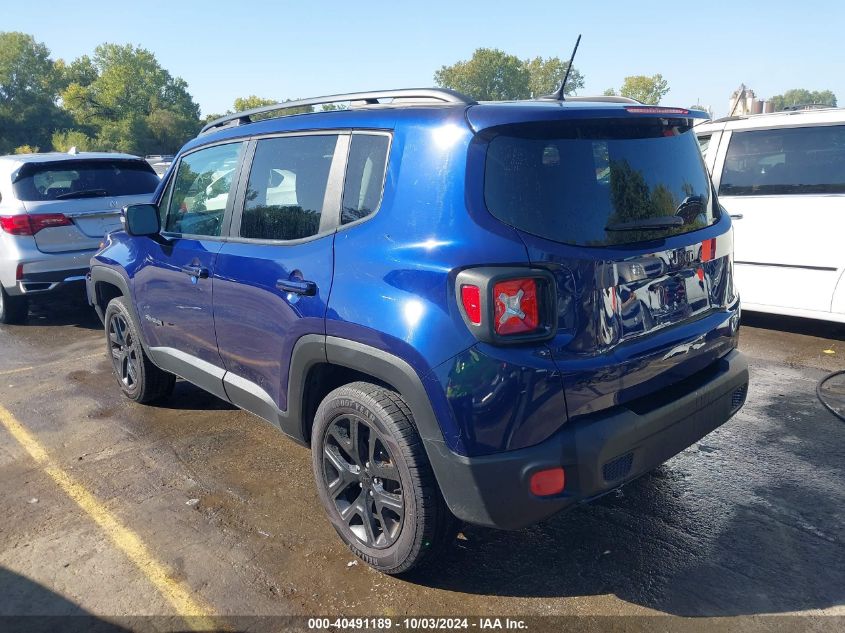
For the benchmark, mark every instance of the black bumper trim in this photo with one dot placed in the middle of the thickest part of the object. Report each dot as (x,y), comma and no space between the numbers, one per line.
(493,490)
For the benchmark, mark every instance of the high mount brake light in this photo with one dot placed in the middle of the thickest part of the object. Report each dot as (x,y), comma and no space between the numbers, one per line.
(655,110)
(32,223)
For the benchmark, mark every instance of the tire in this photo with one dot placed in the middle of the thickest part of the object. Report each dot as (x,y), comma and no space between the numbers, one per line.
(138,378)
(13,309)
(392,472)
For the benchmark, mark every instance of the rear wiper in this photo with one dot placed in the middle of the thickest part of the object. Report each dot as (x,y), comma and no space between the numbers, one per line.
(84,193)
(662,222)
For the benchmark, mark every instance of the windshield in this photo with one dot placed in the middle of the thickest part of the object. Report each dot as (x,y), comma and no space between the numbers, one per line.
(84,179)
(598,183)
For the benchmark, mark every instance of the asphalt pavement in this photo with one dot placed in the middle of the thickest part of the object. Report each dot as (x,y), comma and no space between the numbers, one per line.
(132,510)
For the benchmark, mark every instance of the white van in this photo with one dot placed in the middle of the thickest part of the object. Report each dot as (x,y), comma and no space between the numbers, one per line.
(781,177)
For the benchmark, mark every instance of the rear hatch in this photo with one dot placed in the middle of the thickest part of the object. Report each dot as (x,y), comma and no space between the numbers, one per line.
(72,204)
(620,209)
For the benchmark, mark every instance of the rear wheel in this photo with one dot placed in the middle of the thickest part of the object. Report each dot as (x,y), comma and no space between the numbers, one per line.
(13,309)
(139,379)
(375,481)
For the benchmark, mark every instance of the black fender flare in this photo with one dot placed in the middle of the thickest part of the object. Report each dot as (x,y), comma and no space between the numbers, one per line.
(103,274)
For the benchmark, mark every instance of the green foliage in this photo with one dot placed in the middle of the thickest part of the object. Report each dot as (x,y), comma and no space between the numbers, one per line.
(649,90)
(29,84)
(64,140)
(800,96)
(493,75)
(26,149)
(609,92)
(130,102)
(545,75)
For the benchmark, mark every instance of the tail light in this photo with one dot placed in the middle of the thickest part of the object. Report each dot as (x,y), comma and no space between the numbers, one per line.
(507,305)
(515,310)
(32,223)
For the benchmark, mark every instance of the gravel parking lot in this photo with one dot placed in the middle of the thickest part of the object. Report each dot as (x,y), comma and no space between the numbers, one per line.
(214,503)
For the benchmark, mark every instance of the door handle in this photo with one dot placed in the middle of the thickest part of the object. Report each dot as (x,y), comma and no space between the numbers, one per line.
(297,286)
(199,272)
(736,216)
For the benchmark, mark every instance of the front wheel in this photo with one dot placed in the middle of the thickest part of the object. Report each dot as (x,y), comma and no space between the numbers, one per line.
(139,379)
(374,479)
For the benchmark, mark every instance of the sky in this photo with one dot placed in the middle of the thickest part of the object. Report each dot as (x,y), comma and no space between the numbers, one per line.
(283,50)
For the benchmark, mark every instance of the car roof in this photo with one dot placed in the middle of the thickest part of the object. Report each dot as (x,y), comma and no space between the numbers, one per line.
(787,118)
(477,115)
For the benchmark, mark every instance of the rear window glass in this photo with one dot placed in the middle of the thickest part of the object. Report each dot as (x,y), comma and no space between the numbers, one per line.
(84,179)
(598,183)
(785,161)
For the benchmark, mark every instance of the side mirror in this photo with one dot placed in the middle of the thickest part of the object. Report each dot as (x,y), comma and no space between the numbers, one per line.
(141,219)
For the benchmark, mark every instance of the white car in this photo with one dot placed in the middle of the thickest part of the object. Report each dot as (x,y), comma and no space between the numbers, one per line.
(54,211)
(781,177)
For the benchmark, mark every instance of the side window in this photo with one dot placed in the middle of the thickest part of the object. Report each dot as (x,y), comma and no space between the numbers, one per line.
(704,143)
(785,161)
(365,173)
(200,190)
(287,187)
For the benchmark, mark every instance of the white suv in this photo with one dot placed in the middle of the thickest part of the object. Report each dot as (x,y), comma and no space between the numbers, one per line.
(54,211)
(781,178)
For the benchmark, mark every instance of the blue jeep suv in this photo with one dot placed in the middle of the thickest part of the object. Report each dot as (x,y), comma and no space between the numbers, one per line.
(477,312)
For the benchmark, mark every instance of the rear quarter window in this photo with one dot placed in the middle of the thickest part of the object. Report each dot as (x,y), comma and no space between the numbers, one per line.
(785,161)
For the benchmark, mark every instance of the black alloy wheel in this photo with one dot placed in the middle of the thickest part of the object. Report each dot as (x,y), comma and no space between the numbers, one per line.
(363,481)
(123,352)
(139,379)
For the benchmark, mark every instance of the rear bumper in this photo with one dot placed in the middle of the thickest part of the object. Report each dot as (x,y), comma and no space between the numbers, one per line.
(598,452)
(26,270)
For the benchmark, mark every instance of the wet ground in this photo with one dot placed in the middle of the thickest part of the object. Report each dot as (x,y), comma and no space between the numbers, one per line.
(749,521)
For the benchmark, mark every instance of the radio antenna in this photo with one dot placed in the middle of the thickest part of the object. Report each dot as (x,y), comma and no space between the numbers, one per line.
(559,94)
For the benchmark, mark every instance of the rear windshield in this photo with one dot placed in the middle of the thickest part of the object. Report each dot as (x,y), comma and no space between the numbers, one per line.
(599,183)
(84,179)
(785,161)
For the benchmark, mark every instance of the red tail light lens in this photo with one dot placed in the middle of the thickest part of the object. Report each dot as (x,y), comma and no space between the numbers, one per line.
(471,299)
(516,310)
(548,482)
(31,224)
(16,224)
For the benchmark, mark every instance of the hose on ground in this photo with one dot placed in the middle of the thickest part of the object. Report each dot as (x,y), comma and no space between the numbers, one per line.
(826,396)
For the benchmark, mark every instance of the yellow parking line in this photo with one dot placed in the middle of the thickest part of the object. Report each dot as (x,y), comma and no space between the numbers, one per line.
(62,361)
(196,615)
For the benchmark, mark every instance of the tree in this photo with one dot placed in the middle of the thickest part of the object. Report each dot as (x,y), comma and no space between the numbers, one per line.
(29,86)
(493,75)
(800,96)
(124,100)
(649,90)
(545,75)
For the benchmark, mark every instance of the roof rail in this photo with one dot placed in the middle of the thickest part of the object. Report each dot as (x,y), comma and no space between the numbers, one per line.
(443,95)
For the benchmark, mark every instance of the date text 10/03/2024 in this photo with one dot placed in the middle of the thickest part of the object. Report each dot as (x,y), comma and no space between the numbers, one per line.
(416,623)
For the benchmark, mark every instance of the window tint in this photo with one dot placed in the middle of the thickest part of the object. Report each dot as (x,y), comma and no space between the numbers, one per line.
(287,186)
(84,179)
(364,176)
(785,161)
(598,183)
(201,189)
